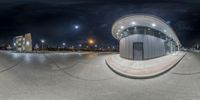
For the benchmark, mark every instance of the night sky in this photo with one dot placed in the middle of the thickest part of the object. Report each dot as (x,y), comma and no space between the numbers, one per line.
(54,21)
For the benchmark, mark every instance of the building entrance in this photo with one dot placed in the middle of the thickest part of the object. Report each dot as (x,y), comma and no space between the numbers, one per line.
(138,53)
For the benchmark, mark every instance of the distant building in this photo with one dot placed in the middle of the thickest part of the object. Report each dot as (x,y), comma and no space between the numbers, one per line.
(23,43)
(5,46)
(8,47)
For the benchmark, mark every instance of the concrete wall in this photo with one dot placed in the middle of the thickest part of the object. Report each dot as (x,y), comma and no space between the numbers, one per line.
(28,38)
(153,46)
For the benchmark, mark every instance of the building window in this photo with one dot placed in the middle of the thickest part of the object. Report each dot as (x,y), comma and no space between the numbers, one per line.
(144,30)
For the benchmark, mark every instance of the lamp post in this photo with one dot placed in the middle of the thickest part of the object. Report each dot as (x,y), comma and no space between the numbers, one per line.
(64,44)
(80,45)
(113,48)
(91,42)
(95,46)
(42,41)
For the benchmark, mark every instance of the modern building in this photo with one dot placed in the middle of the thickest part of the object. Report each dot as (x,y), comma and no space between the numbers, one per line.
(144,37)
(23,43)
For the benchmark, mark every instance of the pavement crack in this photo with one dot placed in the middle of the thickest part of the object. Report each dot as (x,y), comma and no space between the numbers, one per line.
(76,77)
(10,67)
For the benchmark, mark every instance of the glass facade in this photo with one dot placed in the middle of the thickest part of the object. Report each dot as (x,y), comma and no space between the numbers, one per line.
(170,44)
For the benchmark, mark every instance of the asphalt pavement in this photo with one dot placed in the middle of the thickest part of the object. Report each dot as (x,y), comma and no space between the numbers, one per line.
(85,76)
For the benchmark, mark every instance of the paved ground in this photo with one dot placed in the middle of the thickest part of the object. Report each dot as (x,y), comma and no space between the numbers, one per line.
(146,68)
(86,77)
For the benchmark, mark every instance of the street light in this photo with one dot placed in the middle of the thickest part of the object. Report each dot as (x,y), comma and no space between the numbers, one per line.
(95,45)
(91,41)
(113,47)
(64,44)
(42,41)
(14,44)
(80,45)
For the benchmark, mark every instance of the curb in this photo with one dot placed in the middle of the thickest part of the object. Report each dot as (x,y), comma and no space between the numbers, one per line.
(147,76)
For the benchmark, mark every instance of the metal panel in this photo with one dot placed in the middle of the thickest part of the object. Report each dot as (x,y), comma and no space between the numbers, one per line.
(138,51)
(143,20)
(153,46)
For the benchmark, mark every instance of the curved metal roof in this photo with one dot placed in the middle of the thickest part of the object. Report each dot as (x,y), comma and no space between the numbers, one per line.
(143,20)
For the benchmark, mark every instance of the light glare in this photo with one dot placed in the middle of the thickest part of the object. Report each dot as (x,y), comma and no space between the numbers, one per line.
(133,23)
(91,41)
(76,27)
(27,43)
(122,27)
(153,24)
(42,41)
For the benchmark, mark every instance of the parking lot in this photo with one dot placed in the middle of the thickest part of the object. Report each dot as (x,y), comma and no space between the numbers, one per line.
(85,76)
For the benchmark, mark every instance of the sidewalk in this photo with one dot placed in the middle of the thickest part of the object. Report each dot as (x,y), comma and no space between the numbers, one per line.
(145,68)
